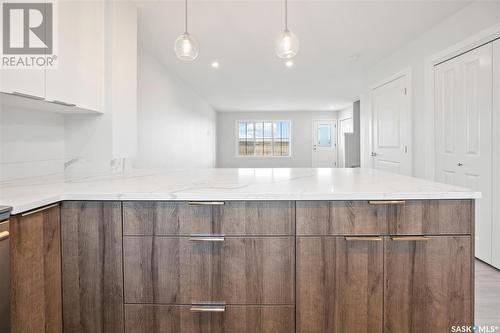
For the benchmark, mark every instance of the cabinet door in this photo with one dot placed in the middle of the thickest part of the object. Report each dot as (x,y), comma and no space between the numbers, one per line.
(36,272)
(339,284)
(141,318)
(78,78)
(428,284)
(92,266)
(238,270)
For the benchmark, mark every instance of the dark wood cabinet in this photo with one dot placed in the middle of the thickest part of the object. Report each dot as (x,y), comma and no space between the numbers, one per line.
(235,319)
(36,271)
(339,284)
(92,273)
(237,270)
(428,284)
(232,218)
(277,266)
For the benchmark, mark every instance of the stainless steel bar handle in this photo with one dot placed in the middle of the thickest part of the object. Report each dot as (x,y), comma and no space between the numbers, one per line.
(208,308)
(19,94)
(61,103)
(409,238)
(386,202)
(207,238)
(206,203)
(363,238)
(4,235)
(39,210)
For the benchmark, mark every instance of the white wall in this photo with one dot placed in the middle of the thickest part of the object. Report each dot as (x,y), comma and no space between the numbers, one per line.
(176,126)
(465,23)
(31,143)
(301,134)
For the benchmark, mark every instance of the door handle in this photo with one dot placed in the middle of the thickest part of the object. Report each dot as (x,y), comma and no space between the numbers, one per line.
(4,235)
(374,154)
(208,307)
(387,202)
(206,238)
(61,103)
(16,93)
(409,238)
(365,238)
(206,203)
(460,164)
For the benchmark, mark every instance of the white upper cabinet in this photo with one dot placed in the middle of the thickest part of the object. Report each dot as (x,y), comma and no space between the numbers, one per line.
(78,77)
(29,82)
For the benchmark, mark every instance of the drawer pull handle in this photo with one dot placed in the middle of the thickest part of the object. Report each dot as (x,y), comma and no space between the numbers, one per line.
(39,210)
(410,238)
(386,202)
(207,238)
(208,307)
(206,203)
(4,235)
(363,238)
(19,94)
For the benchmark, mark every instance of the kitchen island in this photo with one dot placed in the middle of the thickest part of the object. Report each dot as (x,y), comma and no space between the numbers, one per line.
(241,250)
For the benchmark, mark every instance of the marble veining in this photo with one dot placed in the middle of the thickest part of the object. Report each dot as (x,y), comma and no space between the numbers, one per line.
(225,184)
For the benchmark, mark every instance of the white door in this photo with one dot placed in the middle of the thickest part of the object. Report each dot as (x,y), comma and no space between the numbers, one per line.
(463,108)
(495,234)
(391,112)
(345,126)
(324,139)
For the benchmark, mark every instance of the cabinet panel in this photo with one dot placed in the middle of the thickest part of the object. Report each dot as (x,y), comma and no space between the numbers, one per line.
(92,266)
(176,270)
(78,77)
(179,319)
(231,218)
(36,272)
(432,217)
(411,217)
(341,218)
(428,284)
(339,284)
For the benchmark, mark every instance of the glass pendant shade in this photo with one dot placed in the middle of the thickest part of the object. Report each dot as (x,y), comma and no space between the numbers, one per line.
(287,45)
(186,47)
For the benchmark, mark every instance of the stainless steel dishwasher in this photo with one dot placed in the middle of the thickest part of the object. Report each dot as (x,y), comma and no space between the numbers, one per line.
(4,269)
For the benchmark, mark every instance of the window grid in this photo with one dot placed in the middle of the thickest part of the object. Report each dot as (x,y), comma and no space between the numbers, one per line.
(264,138)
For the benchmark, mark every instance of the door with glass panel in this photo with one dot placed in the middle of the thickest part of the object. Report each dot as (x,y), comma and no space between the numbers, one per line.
(324,143)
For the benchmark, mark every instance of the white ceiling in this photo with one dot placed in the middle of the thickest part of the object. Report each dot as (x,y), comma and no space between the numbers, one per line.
(241,35)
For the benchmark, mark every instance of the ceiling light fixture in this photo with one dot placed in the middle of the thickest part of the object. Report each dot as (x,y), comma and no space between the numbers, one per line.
(289,63)
(215,64)
(186,47)
(287,44)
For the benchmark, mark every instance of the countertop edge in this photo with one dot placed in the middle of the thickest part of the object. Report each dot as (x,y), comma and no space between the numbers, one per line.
(30,205)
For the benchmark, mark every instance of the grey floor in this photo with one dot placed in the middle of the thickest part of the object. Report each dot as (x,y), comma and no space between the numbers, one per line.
(487,295)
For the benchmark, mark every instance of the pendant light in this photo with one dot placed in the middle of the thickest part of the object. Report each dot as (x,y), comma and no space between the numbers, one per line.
(186,47)
(287,44)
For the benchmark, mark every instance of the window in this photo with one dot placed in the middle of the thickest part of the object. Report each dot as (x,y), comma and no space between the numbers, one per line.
(264,138)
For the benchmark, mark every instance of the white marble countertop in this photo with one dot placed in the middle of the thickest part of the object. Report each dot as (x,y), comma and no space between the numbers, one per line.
(225,184)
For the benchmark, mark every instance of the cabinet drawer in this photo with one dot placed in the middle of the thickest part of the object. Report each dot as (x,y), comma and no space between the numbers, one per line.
(230,218)
(341,218)
(414,217)
(235,319)
(238,270)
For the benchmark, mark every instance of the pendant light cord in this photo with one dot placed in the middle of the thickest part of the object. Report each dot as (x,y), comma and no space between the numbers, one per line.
(186,16)
(286,14)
